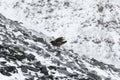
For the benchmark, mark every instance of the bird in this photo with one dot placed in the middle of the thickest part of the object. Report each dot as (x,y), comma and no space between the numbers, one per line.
(58,42)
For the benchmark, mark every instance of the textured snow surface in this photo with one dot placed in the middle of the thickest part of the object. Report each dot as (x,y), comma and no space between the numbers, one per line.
(91,28)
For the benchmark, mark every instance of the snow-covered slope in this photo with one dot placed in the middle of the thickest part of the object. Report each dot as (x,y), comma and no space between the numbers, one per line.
(91,28)
(27,55)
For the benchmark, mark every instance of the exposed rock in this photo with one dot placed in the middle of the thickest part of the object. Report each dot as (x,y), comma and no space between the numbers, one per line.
(44,70)
(37,64)
(10,69)
(33,68)
(30,57)
(29,54)
(94,76)
(20,57)
(52,67)
(2,71)
(24,69)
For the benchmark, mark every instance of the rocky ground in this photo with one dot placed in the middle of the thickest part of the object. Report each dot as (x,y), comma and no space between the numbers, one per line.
(28,55)
(91,28)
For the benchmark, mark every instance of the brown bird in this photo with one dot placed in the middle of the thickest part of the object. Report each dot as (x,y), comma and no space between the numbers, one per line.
(58,42)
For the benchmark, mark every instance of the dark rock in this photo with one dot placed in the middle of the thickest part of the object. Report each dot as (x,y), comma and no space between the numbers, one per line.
(97,41)
(1,47)
(85,79)
(50,77)
(35,47)
(97,63)
(44,70)
(20,49)
(24,69)
(10,69)
(1,25)
(61,68)
(52,67)
(109,41)
(48,0)
(56,61)
(94,76)
(46,55)
(17,48)
(108,79)
(43,78)
(47,77)
(20,57)
(25,34)
(67,4)
(37,64)
(58,53)
(39,40)
(64,72)
(114,68)
(12,58)
(30,57)
(73,75)
(100,9)
(31,78)
(12,51)
(3,62)
(32,69)
(26,43)
(5,53)
(2,71)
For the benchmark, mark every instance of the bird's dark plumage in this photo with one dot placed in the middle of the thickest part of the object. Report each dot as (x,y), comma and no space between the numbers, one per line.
(58,42)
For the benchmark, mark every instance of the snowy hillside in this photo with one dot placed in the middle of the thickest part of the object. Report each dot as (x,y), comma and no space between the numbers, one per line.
(27,55)
(91,28)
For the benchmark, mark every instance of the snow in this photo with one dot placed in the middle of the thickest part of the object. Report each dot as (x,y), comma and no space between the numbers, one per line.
(74,23)
(69,25)
(15,77)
